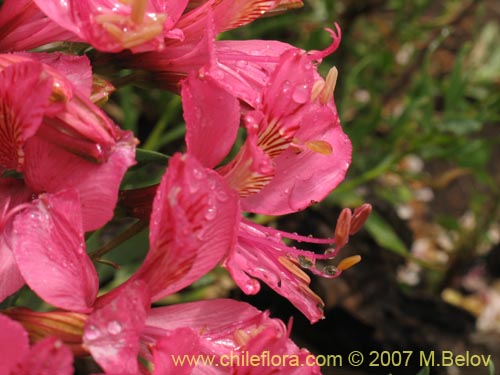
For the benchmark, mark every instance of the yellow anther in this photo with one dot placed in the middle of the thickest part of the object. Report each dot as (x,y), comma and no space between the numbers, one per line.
(138,11)
(348,262)
(292,267)
(321,147)
(329,88)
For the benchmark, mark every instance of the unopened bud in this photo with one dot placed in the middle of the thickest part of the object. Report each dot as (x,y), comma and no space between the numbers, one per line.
(359,217)
(343,227)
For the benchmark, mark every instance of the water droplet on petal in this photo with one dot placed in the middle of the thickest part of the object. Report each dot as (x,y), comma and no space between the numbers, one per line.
(286,87)
(252,286)
(92,333)
(301,94)
(114,327)
(211,213)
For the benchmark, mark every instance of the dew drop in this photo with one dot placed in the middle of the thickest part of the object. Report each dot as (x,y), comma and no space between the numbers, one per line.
(286,87)
(330,270)
(305,262)
(252,286)
(114,327)
(211,213)
(330,251)
(92,333)
(301,94)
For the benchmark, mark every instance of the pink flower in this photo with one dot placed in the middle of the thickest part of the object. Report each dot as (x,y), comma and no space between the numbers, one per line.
(193,226)
(23,26)
(48,356)
(107,25)
(49,124)
(294,155)
(115,333)
(200,27)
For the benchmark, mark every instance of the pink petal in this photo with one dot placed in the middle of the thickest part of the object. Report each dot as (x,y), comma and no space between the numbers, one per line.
(13,195)
(179,342)
(110,25)
(49,249)
(193,226)
(261,255)
(14,344)
(306,177)
(231,328)
(23,27)
(212,117)
(21,118)
(244,67)
(208,316)
(76,69)
(48,356)
(112,331)
(227,14)
(51,169)
(11,279)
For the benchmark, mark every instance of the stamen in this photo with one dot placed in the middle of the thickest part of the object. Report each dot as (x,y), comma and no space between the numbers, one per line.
(321,147)
(329,87)
(348,262)
(292,267)
(342,228)
(317,89)
(138,11)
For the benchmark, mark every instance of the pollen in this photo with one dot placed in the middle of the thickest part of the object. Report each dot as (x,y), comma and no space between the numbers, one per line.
(321,147)
(349,262)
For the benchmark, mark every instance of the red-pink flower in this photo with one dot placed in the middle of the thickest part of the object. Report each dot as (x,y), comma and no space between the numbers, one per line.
(200,27)
(107,25)
(62,161)
(48,356)
(124,328)
(193,226)
(295,154)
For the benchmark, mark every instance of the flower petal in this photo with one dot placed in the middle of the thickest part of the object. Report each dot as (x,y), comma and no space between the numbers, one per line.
(50,169)
(177,343)
(20,116)
(48,356)
(112,331)
(212,117)
(14,344)
(49,248)
(305,177)
(193,225)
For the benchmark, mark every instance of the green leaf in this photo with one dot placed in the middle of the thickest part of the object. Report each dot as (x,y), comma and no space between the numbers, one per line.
(384,235)
(148,171)
(147,156)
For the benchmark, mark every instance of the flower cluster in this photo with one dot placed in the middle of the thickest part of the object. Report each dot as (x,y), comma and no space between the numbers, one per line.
(62,160)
